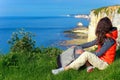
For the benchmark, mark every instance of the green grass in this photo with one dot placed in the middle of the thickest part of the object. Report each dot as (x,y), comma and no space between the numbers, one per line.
(97,11)
(38,66)
(118,11)
(104,9)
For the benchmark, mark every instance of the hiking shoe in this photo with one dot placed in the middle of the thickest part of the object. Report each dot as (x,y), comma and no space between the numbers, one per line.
(56,71)
(90,69)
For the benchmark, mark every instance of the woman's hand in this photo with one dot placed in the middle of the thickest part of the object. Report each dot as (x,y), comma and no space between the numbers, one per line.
(79,51)
(73,46)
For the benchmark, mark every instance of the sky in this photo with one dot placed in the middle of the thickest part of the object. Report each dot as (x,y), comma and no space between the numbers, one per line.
(51,7)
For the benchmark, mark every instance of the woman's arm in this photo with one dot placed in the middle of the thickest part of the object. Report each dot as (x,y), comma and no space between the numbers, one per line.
(88,44)
(107,44)
(79,48)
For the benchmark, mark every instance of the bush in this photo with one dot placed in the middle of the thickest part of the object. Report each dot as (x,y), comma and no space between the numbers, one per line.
(10,60)
(50,51)
(21,41)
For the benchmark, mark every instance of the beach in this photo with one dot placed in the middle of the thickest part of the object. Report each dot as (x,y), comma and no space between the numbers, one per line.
(78,36)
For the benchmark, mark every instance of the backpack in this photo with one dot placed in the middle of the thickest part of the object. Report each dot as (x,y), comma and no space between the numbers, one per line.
(67,57)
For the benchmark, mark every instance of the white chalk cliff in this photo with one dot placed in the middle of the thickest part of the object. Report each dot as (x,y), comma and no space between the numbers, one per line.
(113,12)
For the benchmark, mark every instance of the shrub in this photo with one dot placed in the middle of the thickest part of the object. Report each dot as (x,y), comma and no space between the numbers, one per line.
(51,51)
(10,60)
(21,41)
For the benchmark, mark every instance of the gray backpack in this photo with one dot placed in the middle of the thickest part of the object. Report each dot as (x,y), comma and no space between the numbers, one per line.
(67,57)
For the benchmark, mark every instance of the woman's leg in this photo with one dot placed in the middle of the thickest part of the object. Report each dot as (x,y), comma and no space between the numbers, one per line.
(83,58)
(90,68)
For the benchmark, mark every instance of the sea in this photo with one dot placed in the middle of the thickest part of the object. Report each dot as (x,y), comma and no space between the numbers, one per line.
(49,31)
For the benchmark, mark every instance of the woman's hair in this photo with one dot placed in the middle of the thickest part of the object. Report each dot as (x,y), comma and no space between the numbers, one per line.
(104,26)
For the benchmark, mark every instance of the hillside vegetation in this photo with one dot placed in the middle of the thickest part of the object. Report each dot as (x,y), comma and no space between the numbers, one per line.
(108,10)
(38,66)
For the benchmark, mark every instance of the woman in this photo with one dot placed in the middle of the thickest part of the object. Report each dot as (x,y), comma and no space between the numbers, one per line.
(106,36)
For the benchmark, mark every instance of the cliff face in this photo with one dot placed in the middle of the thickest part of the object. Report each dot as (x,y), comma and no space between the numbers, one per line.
(113,12)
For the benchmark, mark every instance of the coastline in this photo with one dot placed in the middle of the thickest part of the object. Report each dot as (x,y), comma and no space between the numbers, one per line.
(78,36)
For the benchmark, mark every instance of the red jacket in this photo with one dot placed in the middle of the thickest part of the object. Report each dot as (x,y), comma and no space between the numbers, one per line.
(109,55)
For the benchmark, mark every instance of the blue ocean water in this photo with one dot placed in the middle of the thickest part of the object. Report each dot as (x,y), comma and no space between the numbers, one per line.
(48,30)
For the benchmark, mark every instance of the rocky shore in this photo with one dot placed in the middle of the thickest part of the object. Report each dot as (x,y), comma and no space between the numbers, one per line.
(78,35)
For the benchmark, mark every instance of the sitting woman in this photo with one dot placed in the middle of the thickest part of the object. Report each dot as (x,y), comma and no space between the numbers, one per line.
(106,36)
